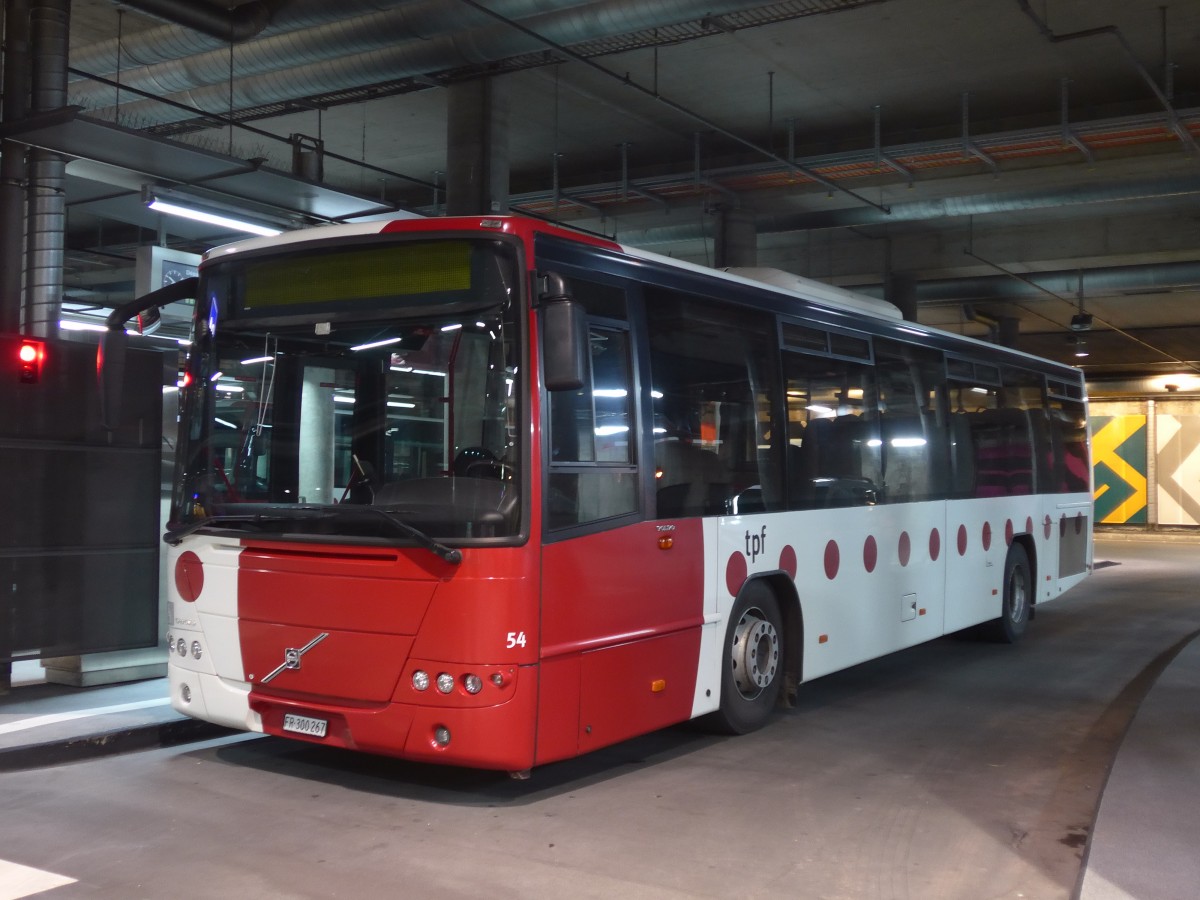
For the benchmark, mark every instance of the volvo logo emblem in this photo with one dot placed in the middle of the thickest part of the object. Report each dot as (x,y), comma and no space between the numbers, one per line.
(291,656)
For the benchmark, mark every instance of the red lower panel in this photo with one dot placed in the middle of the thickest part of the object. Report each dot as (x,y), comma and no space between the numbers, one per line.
(497,737)
(637,687)
(342,664)
(558,709)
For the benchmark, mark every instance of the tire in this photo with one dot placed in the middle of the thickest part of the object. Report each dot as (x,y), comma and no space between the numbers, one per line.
(1018,598)
(752,670)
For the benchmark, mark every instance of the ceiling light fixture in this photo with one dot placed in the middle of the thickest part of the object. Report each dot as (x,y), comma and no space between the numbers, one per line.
(199,215)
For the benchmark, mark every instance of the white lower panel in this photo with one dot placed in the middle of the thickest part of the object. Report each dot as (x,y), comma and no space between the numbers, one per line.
(213,699)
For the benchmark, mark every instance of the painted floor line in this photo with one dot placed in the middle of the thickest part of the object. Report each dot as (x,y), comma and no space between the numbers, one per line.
(17,881)
(54,718)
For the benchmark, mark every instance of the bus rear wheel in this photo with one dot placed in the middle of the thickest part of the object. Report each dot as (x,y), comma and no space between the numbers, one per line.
(1018,598)
(752,668)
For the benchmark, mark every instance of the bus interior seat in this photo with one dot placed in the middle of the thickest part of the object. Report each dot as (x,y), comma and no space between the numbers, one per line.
(694,481)
(1003,452)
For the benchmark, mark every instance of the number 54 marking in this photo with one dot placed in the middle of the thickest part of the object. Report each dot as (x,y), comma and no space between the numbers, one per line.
(515,639)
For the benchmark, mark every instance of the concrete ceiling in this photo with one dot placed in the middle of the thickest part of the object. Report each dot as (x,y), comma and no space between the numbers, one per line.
(963,144)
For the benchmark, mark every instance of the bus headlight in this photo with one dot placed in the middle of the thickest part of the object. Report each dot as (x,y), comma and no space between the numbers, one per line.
(445,683)
(421,680)
(197,650)
(473,684)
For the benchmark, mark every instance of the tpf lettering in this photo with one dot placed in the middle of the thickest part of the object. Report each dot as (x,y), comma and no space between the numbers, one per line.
(756,543)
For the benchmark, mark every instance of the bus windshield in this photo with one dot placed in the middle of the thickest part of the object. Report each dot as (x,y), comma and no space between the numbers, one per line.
(386,411)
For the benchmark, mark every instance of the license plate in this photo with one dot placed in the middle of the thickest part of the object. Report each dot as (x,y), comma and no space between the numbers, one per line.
(305,725)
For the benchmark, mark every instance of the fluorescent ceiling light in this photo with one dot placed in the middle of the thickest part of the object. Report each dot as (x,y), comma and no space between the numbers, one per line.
(71,325)
(373,344)
(257,359)
(199,215)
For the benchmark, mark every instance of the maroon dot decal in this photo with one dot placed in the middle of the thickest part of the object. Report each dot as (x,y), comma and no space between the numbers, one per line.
(870,553)
(987,536)
(935,544)
(1008,532)
(904,550)
(1062,525)
(962,540)
(787,561)
(735,573)
(1046,526)
(189,576)
(832,560)
(1028,525)
(1078,523)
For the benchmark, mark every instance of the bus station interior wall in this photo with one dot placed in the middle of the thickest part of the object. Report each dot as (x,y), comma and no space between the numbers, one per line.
(1146,461)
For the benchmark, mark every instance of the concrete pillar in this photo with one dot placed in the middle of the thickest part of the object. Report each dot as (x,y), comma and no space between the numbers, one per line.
(736,241)
(900,289)
(477,147)
(12,164)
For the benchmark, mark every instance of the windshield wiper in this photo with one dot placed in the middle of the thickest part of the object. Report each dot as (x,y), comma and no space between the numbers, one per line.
(174,535)
(451,555)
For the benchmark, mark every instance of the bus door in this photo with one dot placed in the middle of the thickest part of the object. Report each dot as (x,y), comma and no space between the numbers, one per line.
(620,598)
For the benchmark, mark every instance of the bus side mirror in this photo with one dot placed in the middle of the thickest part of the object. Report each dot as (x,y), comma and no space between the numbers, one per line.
(114,343)
(565,347)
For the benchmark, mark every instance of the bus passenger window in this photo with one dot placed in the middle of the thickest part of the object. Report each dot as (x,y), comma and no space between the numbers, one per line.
(717,448)
(913,433)
(834,454)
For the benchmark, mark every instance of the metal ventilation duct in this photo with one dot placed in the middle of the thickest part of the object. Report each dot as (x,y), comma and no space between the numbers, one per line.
(927,210)
(1098,282)
(238,24)
(46,208)
(413,22)
(169,42)
(358,63)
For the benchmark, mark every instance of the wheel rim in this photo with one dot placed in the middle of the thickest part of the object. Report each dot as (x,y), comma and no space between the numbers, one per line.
(754,653)
(1018,595)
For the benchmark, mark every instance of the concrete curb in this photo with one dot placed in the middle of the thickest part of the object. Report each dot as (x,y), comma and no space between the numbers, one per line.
(121,740)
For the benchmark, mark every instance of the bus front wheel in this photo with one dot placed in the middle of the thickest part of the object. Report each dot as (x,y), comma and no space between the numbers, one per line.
(752,668)
(1018,598)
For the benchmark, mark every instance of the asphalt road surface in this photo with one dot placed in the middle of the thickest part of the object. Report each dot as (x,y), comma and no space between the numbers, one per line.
(957,769)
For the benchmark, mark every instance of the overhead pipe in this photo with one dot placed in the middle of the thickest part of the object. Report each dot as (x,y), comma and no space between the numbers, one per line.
(1181,131)
(986,204)
(238,24)
(476,45)
(1096,282)
(169,42)
(416,21)
(927,210)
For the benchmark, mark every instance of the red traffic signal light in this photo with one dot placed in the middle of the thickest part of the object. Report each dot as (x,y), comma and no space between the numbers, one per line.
(30,356)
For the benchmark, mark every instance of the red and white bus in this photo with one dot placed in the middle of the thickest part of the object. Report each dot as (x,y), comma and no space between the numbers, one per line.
(492,493)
